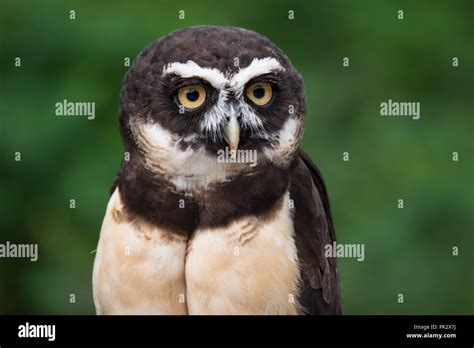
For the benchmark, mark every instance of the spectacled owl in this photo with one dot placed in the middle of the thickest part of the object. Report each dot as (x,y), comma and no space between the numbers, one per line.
(215,208)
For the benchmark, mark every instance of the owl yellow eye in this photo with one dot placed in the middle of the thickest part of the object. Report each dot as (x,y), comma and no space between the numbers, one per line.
(192,96)
(260,93)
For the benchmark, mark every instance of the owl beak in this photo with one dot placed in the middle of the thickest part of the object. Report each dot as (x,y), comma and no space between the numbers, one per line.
(232,135)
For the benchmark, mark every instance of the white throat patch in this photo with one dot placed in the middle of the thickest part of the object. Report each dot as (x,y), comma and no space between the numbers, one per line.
(186,168)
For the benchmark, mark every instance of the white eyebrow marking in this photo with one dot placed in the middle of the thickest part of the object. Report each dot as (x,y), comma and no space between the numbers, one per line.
(216,117)
(256,68)
(190,69)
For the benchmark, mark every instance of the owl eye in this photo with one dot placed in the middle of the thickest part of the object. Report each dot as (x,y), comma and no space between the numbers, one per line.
(260,93)
(192,96)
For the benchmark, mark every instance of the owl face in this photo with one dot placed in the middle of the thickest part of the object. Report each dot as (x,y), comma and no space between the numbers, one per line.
(202,91)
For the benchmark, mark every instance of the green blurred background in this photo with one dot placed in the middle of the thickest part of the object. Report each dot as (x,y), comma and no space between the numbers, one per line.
(407,251)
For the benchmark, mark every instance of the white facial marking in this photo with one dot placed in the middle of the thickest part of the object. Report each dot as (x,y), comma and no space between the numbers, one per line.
(287,133)
(287,142)
(216,117)
(190,69)
(217,79)
(249,118)
(187,168)
(256,68)
(163,152)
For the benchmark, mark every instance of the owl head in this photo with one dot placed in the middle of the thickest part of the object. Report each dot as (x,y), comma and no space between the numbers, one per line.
(199,102)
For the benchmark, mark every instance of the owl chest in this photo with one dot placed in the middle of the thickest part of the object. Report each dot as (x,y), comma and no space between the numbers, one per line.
(248,267)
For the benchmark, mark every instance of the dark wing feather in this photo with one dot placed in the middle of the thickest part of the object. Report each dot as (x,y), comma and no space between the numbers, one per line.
(320,292)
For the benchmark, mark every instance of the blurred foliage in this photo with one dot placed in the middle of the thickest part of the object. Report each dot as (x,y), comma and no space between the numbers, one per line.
(408,250)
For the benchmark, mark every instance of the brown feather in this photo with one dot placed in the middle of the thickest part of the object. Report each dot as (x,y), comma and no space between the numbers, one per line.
(320,291)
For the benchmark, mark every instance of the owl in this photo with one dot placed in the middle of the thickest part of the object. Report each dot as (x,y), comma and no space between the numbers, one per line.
(215,208)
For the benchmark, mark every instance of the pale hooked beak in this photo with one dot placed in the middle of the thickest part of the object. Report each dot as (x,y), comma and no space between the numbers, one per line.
(232,135)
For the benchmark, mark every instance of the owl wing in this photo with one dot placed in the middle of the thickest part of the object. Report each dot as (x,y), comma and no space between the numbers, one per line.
(320,292)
